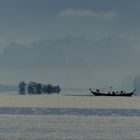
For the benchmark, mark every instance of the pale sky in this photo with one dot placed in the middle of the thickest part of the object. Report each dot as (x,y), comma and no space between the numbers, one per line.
(26,20)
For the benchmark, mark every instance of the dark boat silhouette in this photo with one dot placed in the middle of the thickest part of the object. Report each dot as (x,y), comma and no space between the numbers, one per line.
(98,93)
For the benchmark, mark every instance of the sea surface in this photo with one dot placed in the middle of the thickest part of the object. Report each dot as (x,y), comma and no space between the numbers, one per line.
(69,111)
(26,123)
(69,117)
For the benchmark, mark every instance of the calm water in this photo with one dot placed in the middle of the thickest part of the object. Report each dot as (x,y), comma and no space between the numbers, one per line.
(27,123)
(69,111)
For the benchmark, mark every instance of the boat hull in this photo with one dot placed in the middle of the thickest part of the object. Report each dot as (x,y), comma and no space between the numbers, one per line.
(110,94)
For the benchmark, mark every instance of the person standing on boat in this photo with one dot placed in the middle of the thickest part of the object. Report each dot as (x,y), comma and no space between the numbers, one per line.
(122,92)
(113,93)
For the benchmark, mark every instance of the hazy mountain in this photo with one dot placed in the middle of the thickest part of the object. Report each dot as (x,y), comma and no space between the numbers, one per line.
(127,83)
(42,62)
(72,61)
(136,84)
(103,52)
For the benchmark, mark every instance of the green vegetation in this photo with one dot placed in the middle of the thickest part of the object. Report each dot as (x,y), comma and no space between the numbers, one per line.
(37,88)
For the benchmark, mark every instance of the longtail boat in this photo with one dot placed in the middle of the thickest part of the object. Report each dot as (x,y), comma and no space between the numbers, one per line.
(98,93)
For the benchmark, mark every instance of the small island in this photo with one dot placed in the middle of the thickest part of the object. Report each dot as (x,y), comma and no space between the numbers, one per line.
(37,88)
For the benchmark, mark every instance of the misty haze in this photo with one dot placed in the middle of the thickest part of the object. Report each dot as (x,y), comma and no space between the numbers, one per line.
(75,45)
(73,62)
(73,49)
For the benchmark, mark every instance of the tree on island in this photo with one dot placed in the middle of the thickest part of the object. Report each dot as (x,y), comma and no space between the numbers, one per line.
(22,88)
(38,88)
(57,89)
(49,89)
